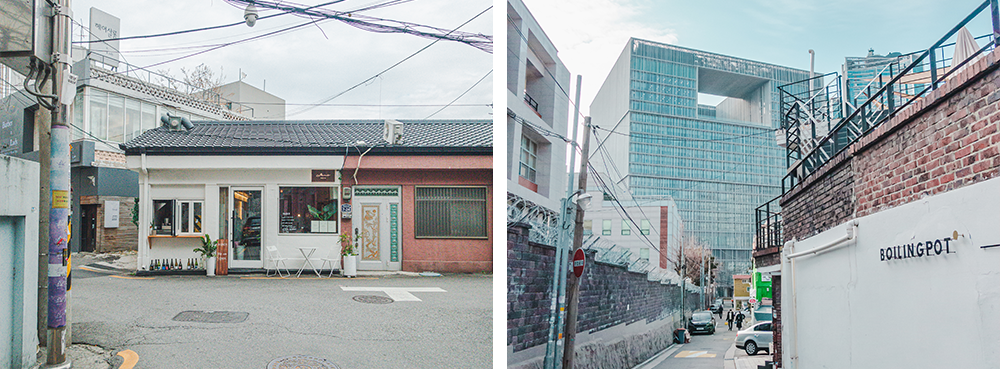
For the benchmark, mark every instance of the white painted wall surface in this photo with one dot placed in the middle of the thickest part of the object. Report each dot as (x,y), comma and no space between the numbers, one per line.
(202,184)
(856,311)
(19,181)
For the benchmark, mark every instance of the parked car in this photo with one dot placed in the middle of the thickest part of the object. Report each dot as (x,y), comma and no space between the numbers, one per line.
(701,321)
(251,232)
(716,306)
(757,337)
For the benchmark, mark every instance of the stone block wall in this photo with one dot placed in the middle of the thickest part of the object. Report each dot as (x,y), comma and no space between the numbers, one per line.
(610,296)
(529,279)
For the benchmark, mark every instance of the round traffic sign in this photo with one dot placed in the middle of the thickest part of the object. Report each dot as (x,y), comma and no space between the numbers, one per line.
(753,300)
(579,260)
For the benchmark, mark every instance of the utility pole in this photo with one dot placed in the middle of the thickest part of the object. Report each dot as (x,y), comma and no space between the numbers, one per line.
(573,286)
(560,267)
(60,185)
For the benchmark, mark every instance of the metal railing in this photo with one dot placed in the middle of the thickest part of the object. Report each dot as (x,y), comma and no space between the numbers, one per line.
(531,102)
(899,84)
(769,231)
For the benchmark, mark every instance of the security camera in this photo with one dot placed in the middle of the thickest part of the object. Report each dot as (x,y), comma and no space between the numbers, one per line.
(250,15)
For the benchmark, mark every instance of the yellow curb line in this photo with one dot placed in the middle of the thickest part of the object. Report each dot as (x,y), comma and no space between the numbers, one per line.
(89,269)
(124,277)
(130,359)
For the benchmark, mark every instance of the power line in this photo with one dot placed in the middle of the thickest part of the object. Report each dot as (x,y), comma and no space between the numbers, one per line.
(191,30)
(232,43)
(379,25)
(463,94)
(390,67)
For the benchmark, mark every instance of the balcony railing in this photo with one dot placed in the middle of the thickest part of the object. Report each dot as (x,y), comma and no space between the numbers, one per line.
(805,110)
(768,218)
(531,102)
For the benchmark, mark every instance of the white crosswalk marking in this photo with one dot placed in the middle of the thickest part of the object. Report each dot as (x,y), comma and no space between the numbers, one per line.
(396,293)
(692,354)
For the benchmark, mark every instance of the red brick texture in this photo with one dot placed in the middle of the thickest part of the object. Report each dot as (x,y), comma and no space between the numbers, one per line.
(946,140)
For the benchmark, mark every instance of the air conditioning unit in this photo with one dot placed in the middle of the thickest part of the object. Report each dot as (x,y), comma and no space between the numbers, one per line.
(393,132)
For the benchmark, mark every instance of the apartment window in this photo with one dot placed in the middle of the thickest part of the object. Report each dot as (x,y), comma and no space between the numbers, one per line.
(308,209)
(450,212)
(606,227)
(529,155)
(626,228)
(116,118)
(133,118)
(644,253)
(644,227)
(588,227)
(99,114)
(189,217)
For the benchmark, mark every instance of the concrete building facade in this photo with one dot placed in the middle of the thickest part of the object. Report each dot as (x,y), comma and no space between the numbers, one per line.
(537,108)
(716,162)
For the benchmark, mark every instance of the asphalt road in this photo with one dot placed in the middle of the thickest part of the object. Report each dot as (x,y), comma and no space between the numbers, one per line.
(284,317)
(705,351)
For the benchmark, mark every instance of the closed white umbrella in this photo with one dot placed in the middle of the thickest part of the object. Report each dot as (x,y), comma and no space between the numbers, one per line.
(965,46)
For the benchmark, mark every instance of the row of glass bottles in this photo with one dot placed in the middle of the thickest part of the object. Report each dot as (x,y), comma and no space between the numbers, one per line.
(174,264)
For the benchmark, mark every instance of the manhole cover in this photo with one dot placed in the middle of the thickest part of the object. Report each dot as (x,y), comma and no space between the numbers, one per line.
(301,362)
(211,316)
(371,299)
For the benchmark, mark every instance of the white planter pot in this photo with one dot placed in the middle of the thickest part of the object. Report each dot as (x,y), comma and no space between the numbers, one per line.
(351,266)
(210,266)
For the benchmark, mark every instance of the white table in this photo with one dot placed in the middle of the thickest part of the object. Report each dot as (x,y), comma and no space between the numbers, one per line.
(307,253)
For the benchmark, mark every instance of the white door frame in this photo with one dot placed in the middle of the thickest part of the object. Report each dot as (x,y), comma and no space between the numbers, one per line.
(387,198)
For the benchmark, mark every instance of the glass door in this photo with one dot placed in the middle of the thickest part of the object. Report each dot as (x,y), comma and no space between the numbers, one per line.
(247,225)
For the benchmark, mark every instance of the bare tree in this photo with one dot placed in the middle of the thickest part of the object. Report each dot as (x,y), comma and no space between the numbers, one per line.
(202,81)
(693,250)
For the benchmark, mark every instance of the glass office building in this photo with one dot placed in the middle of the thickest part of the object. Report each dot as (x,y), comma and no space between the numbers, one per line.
(717,162)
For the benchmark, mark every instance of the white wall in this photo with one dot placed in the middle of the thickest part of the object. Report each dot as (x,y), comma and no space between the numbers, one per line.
(855,310)
(204,184)
(19,181)
(607,111)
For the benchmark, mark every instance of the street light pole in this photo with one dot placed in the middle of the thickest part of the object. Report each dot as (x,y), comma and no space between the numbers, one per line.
(573,287)
(557,305)
(59,183)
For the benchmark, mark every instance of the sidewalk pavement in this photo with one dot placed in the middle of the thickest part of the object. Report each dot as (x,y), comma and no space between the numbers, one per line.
(749,362)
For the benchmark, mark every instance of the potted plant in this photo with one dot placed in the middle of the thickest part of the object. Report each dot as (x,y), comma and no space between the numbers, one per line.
(207,251)
(324,224)
(350,253)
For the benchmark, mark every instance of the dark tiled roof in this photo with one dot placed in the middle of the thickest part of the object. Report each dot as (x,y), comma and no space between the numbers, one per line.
(316,137)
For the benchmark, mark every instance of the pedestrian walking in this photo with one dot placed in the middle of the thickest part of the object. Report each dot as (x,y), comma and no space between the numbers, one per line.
(739,320)
(729,319)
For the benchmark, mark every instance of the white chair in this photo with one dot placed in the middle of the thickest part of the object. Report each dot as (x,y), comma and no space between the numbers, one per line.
(333,259)
(275,258)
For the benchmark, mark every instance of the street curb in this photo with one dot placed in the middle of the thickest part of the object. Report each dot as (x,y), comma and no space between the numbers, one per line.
(730,359)
(659,357)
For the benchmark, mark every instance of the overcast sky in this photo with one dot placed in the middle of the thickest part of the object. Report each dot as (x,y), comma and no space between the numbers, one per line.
(590,34)
(318,61)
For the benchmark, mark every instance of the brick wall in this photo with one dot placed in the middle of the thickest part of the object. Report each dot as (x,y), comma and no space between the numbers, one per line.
(529,278)
(828,202)
(946,140)
(610,296)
